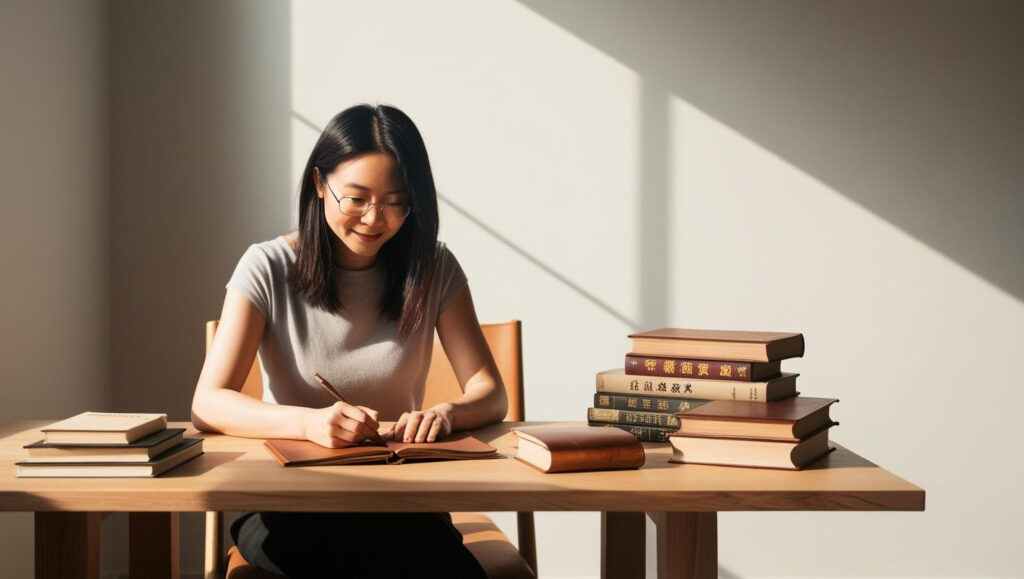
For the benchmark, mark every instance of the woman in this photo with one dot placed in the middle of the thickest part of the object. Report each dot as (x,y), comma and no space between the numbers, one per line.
(355,295)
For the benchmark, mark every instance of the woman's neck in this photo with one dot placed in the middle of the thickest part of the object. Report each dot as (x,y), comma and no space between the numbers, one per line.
(345,259)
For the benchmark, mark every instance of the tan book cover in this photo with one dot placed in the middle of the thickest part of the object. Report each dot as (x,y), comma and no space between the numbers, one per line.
(306,453)
(788,420)
(616,381)
(750,452)
(104,428)
(737,346)
(578,448)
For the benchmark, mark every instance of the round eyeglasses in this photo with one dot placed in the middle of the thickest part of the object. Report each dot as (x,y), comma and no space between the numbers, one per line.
(358,207)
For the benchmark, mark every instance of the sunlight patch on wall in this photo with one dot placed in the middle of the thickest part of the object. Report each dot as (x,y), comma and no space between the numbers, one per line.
(762,245)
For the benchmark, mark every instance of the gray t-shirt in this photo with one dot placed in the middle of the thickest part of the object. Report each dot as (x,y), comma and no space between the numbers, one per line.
(357,351)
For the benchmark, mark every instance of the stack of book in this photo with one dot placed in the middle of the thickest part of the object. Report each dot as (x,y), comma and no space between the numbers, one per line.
(789,434)
(106,444)
(671,371)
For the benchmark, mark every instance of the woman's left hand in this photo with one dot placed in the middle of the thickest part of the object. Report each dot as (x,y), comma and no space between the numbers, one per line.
(423,425)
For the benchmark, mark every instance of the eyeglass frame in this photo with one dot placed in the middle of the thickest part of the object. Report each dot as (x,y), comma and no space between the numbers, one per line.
(369,206)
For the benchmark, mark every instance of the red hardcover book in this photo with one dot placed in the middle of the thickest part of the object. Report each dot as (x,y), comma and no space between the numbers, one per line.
(710,369)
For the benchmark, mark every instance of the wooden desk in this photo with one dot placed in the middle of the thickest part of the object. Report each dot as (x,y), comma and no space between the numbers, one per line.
(239,475)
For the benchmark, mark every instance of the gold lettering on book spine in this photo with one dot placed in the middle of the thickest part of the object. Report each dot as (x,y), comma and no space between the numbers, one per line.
(650,365)
(645,403)
(702,369)
(662,405)
(604,414)
(686,368)
(669,367)
(741,371)
(631,402)
(725,370)
(683,406)
(604,400)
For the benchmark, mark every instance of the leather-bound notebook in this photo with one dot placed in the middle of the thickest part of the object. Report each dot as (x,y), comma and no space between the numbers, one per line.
(578,448)
(306,453)
(789,420)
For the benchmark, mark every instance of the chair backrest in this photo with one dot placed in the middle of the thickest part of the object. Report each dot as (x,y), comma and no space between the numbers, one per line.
(506,343)
(504,339)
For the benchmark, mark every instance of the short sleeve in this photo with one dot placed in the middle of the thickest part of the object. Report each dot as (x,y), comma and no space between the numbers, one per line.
(253,278)
(451,280)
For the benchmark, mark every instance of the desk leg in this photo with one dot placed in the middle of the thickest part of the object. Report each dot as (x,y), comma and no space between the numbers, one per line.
(153,545)
(623,538)
(687,545)
(67,545)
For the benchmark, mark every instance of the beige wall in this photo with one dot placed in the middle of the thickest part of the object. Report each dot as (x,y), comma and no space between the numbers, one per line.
(845,170)
(199,152)
(53,224)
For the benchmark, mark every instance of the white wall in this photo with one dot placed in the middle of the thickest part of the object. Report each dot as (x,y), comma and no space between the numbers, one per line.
(53,224)
(848,171)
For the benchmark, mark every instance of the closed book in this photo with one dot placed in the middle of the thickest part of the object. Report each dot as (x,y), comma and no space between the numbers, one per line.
(185,450)
(306,453)
(750,452)
(104,428)
(645,403)
(709,369)
(718,344)
(786,420)
(578,448)
(641,433)
(616,381)
(142,450)
(639,418)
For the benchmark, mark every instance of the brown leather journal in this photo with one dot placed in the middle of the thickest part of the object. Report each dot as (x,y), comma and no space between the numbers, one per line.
(306,453)
(788,420)
(578,448)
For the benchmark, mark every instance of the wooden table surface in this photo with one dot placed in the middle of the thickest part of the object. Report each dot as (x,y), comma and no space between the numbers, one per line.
(239,474)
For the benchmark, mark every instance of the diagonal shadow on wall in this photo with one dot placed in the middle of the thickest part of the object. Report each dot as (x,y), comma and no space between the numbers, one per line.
(911,109)
(509,244)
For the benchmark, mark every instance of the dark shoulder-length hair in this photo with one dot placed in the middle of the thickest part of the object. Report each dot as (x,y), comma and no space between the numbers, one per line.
(408,257)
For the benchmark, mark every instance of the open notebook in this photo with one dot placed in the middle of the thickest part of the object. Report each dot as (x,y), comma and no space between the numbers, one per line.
(305,453)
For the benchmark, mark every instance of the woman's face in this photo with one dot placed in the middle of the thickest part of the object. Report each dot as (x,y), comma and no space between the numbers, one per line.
(359,181)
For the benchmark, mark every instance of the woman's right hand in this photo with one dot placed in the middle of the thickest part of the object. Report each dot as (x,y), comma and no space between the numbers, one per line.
(341,424)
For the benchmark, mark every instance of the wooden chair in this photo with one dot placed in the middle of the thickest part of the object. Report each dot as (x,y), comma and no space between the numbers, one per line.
(496,554)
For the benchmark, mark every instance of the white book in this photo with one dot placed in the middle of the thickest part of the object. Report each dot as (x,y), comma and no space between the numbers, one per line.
(104,428)
(616,381)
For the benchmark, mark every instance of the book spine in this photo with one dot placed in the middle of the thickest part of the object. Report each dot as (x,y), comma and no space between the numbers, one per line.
(680,388)
(642,433)
(631,417)
(691,368)
(645,403)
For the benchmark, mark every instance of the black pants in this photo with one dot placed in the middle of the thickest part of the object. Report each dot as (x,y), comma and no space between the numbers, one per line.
(355,545)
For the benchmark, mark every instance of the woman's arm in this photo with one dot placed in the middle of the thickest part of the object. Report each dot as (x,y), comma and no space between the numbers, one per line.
(219,405)
(483,399)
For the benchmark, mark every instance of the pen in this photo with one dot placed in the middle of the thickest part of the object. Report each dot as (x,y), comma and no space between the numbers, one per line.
(327,386)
